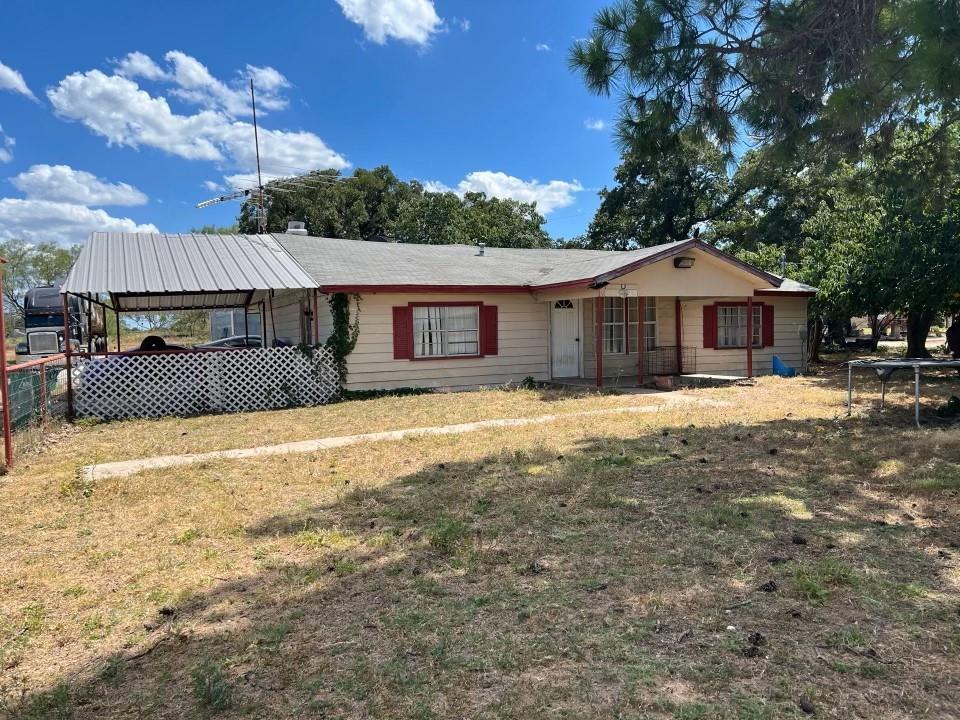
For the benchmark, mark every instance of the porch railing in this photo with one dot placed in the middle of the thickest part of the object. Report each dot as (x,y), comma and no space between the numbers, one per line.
(670,360)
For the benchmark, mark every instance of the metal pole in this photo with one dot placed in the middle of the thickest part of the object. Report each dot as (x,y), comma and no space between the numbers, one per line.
(849,389)
(246,326)
(4,388)
(67,354)
(749,337)
(883,393)
(262,219)
(116,312)
(678,320)
(916,394)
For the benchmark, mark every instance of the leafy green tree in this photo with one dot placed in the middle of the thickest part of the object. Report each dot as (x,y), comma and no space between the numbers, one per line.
(376,205)
(665,188)
(829,71)
(30,265)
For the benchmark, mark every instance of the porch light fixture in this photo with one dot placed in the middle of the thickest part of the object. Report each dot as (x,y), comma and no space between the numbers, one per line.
(684,262)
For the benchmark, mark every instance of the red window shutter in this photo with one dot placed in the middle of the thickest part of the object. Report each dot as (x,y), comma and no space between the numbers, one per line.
(488,330)
(767,325)
(403,333)
(710,326)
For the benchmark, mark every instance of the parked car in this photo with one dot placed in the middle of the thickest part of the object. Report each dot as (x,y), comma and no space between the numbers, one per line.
(234,341)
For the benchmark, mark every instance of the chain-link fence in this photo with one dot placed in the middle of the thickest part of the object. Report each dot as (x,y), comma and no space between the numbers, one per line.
(37,398)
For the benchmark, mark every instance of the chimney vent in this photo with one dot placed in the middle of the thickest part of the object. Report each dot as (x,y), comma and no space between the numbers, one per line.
(296,227)
(480,248)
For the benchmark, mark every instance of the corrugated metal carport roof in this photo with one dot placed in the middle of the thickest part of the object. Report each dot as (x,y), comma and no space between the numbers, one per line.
(167,271)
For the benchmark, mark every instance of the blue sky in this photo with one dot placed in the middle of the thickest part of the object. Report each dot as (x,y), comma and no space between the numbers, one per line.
(124,115)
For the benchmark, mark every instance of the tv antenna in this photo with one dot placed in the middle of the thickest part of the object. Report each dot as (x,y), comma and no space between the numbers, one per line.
(260,213)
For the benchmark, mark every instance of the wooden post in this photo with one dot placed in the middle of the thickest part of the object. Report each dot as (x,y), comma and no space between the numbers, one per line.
(749,337)
(678,319)
(68,351)
(598,322)
(641,336)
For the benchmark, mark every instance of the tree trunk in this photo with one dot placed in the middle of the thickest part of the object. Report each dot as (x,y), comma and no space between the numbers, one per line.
(875,321)
(814,338)
(918,327)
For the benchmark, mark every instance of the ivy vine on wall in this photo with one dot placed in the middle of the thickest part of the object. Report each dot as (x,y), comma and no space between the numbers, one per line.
(343,336)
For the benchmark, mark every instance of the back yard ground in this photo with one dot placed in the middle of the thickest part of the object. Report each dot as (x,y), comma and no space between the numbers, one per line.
(759,555)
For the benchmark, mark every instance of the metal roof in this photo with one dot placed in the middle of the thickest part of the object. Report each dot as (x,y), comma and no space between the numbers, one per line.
(156,271)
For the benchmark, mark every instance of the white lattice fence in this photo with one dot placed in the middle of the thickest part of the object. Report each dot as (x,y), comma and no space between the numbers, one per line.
(190,383)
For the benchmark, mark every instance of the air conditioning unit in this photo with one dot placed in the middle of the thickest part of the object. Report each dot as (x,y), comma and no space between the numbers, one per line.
(44,342)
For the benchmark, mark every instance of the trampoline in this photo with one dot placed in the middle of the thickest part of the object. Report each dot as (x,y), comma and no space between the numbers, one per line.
(885,370)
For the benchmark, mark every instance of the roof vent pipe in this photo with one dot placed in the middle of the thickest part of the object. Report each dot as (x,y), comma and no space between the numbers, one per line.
(296,227)
(481,247)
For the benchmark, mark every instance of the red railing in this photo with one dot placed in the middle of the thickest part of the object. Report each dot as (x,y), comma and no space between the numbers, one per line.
(35,394)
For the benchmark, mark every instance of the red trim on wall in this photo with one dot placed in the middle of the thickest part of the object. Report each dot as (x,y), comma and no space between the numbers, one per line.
(767,325)
(710,327)
(785,293)
(403,333)
(426,288)
(489,331)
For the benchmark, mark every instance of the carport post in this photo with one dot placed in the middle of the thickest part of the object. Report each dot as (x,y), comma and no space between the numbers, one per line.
(116,313)
(749,337)
(67,354)
(4,388)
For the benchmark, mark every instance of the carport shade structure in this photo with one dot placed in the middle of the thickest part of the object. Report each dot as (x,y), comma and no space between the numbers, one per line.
(144,272)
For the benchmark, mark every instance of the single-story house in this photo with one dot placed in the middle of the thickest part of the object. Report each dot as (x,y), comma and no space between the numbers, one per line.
(457,316)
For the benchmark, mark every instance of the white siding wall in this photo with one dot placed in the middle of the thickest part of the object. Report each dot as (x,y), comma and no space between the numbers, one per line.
(523,340)
(790,316)
(286,316)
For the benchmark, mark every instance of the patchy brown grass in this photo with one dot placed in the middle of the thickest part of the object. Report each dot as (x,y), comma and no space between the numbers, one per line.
(590,567)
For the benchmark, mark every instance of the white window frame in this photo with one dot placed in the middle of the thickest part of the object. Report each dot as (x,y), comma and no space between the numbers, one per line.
(634,325)
(732,336)
(612,341)
(439,337)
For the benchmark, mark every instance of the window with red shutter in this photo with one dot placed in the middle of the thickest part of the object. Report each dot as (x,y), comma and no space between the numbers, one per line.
(402,333)
(768,326)
(710,326)
(489,330)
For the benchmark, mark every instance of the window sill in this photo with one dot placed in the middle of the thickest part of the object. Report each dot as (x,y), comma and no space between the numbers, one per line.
(446,357)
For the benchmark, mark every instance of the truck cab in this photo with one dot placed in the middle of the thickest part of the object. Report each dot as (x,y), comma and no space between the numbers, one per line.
(43,323)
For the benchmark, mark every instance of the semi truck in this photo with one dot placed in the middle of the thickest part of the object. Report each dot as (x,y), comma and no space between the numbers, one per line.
(43,324)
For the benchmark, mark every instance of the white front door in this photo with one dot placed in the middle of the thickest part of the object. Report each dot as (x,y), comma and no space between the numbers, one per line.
(565,338)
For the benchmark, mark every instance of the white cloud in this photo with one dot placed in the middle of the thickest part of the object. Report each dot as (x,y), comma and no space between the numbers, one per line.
(548,196)
(12,80)
(212,186)
(117,108)
(435,186)
(413,21)
(463,23)
(193,83)
(542,47)
(136,64)
(6,146)
(594,124)
(64,223)
(63,184)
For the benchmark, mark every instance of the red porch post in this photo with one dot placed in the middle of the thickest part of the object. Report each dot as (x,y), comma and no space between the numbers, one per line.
(678,317)
(641,316)
(598,330)
(316,317)
(749,337)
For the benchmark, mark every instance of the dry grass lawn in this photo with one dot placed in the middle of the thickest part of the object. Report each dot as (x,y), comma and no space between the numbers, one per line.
(760,556)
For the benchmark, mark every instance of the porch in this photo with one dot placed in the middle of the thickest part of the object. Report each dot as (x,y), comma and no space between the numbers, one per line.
(625,340)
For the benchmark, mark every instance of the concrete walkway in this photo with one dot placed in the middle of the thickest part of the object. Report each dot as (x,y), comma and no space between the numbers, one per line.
(124,468)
